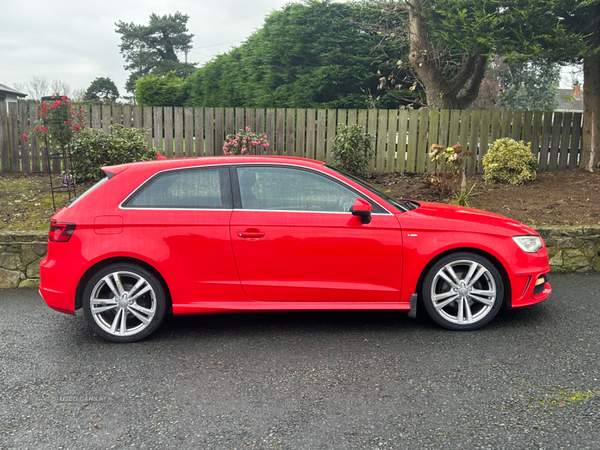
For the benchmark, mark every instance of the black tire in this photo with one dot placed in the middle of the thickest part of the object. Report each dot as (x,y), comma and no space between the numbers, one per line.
(124,303)
(462,291)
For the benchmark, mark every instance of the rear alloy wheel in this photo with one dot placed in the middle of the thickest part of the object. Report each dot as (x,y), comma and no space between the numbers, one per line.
(124,303)
(463,291)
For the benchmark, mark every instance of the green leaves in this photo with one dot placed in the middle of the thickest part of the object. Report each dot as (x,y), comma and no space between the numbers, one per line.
(352,149)
(90,150)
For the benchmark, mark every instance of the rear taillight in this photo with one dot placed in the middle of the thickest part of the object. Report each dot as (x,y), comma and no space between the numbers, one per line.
(61,232)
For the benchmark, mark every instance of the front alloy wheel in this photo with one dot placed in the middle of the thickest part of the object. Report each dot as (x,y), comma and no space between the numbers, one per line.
(124,303)
(463,291)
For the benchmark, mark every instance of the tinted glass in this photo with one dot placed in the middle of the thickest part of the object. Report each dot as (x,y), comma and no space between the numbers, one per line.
(284,189)
(190,188)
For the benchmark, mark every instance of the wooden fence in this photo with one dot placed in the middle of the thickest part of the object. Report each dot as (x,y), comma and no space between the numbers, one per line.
(402,137)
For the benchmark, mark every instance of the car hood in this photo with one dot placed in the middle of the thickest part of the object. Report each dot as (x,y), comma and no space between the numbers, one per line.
(440,216)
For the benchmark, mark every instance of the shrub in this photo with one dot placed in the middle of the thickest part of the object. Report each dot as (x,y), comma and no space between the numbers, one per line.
(509,161)
(244,142)
(352,149)
(90,150)
(153,90)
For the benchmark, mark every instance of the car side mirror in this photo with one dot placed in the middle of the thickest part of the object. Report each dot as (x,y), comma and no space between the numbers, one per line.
(363,209)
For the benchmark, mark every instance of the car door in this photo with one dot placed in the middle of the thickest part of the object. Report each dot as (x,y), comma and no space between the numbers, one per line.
(180,220)
(295,239)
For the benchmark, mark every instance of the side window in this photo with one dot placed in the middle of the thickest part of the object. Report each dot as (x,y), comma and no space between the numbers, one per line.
(279,188)
(204,188)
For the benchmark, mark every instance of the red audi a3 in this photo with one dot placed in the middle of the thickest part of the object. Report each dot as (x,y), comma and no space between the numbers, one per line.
(233,234)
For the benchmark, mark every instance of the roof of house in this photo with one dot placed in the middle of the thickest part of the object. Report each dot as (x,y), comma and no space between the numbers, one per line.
(566,101)
(6,89)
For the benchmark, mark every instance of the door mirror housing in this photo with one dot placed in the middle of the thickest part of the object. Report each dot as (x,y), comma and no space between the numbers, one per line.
(363,209)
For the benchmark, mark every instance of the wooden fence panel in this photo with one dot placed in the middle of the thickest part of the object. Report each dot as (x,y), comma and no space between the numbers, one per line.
(331,127)
(536,133)
(270,130)
(209,132)
(219,131)
(496,125)
(23,129)
(117,115)
(342,117)
(249,122)
(352,117)
(199,131)
(229,121)
(575,141)
(564,144)
(239,119)
(507,117)
(321,127)
(546,130)
(484,141)
(4,130)
(148,124)
(463,134)
(362,119)
(423,136)
(290,119)
(300,131)
(107,118)
(310,133)
(280,133)
(137,117)
(392,137)
(168,139)
(454,125)
(380,149)
(443,129)
(13,141)
(556,131)
(402,140)
(516,125)
(189,131)
(35,142)
(471,161)
(127,116)
(178,116)
(527,126)
(260,128)
(413,129)
(158,129)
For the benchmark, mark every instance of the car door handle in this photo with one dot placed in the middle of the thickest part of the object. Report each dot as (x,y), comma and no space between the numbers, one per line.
(251,233)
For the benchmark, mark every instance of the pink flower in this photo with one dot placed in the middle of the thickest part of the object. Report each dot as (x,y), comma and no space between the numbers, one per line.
(246,128)
(25,137)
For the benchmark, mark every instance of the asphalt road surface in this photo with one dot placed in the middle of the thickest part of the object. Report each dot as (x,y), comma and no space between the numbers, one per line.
(529,380)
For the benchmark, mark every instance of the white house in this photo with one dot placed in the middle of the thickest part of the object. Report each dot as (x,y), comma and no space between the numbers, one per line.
(8,95)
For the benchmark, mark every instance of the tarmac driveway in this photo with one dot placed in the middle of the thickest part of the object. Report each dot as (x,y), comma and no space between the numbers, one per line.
(531,379)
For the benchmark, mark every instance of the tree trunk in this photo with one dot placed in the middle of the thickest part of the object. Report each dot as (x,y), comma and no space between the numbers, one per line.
(443,91)
(591,114)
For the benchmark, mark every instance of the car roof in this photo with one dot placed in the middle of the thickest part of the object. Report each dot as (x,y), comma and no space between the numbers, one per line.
(175,163)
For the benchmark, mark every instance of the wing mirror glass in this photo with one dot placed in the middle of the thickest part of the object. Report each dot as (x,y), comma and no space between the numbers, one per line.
(363,209)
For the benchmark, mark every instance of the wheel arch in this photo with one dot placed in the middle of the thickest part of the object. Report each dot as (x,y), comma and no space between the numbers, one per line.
(89,273)
(506,301)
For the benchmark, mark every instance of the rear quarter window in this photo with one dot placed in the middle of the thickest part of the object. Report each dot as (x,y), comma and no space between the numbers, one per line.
(197,188)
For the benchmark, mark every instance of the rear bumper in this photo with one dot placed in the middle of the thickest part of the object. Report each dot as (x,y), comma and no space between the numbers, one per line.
(58,285)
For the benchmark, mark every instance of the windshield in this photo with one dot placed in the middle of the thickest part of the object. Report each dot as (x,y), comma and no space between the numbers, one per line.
(402,205)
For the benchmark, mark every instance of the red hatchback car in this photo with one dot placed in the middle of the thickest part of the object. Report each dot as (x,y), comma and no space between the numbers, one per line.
(229,234)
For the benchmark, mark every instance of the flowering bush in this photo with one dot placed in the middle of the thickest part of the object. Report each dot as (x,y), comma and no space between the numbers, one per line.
(243,142)
(58,120)
(509,161)
(90,150)
(446,175)
(352,149)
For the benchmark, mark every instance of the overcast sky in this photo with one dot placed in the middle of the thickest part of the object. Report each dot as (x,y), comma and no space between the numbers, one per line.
(75,41)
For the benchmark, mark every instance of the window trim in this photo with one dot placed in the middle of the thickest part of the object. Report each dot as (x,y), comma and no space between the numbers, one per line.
(237,199)
(225,186)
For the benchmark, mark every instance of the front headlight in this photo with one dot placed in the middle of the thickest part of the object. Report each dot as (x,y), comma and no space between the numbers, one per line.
(529,244)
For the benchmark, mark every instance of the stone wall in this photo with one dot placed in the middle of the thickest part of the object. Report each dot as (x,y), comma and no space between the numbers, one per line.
(571,249)
(20,256)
